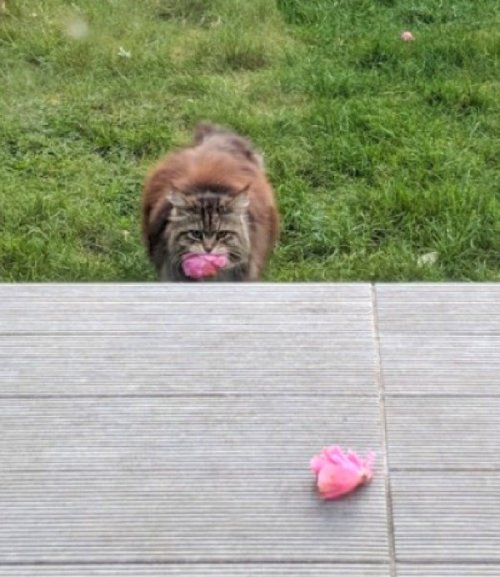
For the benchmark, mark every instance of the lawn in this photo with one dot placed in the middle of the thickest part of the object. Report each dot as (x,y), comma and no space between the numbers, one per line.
(384,154)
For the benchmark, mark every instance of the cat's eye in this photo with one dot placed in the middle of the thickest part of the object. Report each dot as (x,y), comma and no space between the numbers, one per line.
(196,234)
(223,234)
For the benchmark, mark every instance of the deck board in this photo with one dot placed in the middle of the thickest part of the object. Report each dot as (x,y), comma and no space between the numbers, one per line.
(440,339)
(447,516)
(222,340)
(180,433)
(213,514)
(150,429)
(201,570)
(468,570)
(429,433)
(440,361)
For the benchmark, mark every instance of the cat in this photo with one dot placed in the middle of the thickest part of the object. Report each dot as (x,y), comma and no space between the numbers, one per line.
(211,197)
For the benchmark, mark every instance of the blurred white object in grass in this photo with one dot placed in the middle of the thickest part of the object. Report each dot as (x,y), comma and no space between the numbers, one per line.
(428,259)
(124,53)
(407,36)
(76,28)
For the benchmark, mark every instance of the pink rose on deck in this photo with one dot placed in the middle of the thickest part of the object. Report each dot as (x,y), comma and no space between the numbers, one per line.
(203,265)
(339,473)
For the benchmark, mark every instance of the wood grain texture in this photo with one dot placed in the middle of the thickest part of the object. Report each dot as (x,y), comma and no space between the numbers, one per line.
(197,434)
(159,426)
(157,339)
(201,570)
(440,339)
(447,516)
(158,292)
(245,363)
(216,513)
(444,433)
(166,430)
(430,570)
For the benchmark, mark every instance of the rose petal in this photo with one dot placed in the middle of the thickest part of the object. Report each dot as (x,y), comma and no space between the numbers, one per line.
(334,481)
(339,473)
(355,459)
(203,265)
(218,260)
(317,463)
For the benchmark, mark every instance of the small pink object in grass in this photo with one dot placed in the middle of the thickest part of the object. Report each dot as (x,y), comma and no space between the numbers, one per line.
(203,265)
(339,473)
(407,36)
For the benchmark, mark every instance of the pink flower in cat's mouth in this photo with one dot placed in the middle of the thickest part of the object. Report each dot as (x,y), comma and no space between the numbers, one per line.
(203,265)
(338,473)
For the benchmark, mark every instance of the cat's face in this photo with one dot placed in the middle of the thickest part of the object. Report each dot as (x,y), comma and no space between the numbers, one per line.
(208,223)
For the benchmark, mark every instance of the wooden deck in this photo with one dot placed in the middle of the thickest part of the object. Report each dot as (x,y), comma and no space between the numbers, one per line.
(151,430)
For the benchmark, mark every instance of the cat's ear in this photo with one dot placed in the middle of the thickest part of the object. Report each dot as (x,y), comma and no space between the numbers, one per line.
(240,201)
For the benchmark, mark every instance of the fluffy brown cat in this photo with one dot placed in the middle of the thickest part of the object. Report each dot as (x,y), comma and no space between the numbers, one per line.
(212,197)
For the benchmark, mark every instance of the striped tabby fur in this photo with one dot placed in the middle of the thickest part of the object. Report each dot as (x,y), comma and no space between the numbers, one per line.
(210,197)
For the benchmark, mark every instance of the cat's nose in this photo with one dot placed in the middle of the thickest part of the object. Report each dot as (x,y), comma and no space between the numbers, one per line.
(208,244)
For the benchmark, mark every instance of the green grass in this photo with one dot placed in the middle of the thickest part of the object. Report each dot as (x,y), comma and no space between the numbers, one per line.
(380,151)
